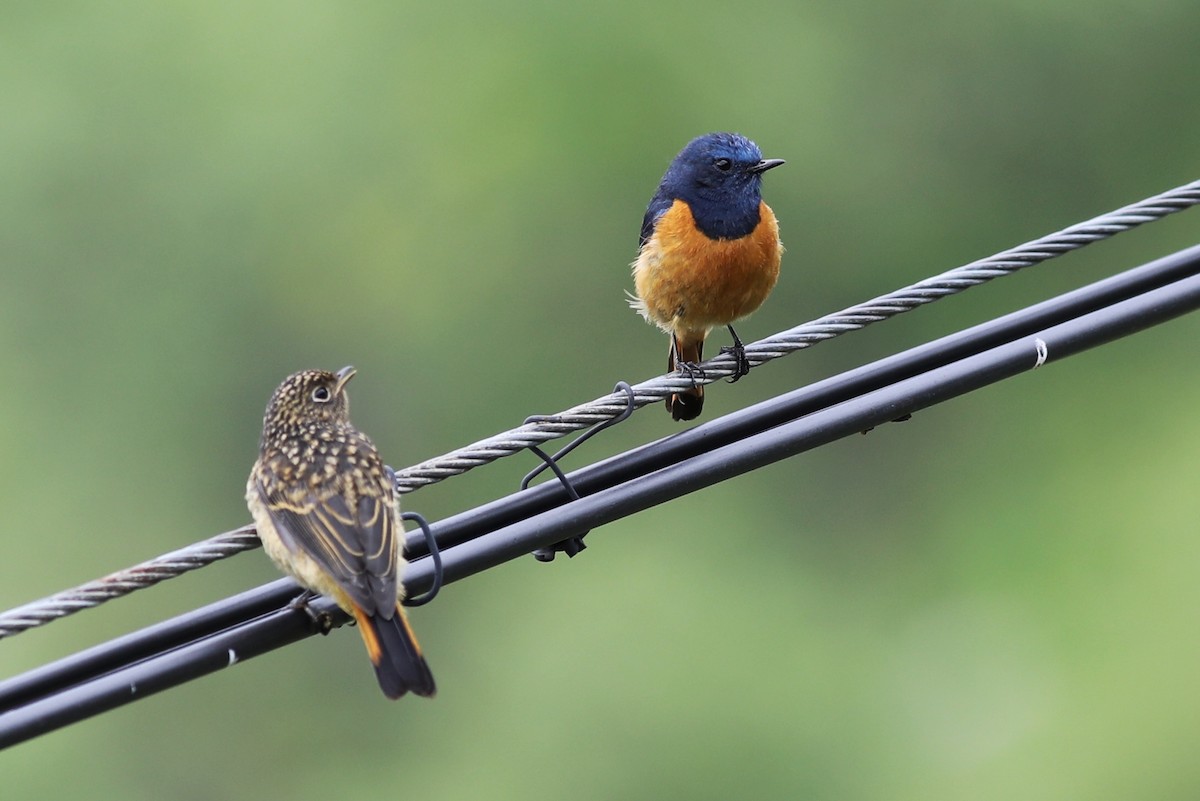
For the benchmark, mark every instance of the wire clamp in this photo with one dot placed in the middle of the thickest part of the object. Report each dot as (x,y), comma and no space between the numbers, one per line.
(1042,350)
(571,545)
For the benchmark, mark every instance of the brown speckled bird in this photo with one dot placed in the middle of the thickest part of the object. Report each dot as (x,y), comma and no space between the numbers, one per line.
(327,515)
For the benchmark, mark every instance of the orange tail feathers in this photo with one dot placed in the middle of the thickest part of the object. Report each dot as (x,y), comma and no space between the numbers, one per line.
(399,665)
(688,404)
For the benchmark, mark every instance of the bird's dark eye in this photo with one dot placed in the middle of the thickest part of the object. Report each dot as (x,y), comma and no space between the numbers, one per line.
(723,164)
(321,395)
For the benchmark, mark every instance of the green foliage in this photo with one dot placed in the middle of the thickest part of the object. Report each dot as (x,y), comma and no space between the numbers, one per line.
(994,600)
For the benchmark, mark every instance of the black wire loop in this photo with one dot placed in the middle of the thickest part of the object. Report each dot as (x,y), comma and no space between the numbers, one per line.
(572,545)
(434,554)
(549,462)
(430,543)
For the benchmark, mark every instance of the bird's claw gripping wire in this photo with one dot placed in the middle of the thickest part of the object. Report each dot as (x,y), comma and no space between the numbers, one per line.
(741,364)
(571,545)
(321,622)
(691,371)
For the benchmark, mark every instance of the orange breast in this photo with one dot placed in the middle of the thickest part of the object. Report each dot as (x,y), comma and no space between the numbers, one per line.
(690,283)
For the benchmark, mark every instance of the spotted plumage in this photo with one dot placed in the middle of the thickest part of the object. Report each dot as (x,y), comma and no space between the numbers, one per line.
(327,515)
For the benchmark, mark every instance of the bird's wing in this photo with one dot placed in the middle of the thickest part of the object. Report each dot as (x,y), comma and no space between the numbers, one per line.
(657,208)
(356,546)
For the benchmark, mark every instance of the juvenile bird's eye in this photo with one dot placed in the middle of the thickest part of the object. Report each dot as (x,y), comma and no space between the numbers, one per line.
(321,395)
(723,164)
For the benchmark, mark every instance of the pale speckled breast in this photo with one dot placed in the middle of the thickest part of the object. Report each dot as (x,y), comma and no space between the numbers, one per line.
(688,282)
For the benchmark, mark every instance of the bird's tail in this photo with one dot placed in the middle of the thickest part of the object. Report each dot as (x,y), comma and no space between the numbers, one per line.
(399,665)
(688,404)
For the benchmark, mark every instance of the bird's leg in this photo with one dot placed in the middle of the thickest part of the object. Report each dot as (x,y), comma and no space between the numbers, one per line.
(321,622)
(741,365)
(690,369)
(301,601)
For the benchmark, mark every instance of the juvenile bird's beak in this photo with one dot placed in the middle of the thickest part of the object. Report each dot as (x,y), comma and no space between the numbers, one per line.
(343,376)
(766,164)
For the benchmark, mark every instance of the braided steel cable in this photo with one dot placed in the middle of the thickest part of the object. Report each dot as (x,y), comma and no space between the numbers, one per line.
(114,585)
(546,428)
(803,336)
(233,630)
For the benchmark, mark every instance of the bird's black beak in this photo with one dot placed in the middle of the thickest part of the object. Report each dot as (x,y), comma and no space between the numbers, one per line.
(343,377)
(766,164)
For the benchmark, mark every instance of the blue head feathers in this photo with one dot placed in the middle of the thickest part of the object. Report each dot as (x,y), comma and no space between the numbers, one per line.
(719,175)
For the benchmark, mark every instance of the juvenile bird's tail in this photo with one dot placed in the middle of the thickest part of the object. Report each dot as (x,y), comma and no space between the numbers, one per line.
(399,665)
(688,404)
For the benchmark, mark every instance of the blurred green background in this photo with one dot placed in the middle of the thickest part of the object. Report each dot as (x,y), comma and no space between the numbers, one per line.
(995,600)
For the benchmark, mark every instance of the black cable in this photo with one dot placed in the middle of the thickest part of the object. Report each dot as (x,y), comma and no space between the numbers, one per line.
(145,643)
(282,626)
(618,469)
(825,425)
(670,450)
(762,416)
(253,637)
